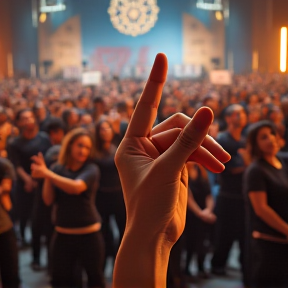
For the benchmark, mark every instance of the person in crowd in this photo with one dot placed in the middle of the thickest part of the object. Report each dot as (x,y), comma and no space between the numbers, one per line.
(86,120)
(71,118)
(55,128)
(253,116)
(213,177)
(99,109)
(109,199)
(20,150)
(71,185)
(284,108)
(68,102)
(230,225)
(198,219)
(6,130)
(82,103)
(266,191)
(156,201)
(41,115)
(123,111)
(9,275)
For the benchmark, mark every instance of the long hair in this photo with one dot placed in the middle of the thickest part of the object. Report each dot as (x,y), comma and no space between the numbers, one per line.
(69,139)
(99,143)
(253,131)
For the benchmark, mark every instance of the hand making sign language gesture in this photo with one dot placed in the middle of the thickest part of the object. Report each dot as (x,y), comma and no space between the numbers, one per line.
(151,164)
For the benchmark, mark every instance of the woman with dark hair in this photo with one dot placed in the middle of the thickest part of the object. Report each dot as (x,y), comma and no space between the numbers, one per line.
(266,188)
(72,185)
(110,200)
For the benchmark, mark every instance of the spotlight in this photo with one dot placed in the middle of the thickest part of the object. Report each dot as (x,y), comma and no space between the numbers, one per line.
(283,49)
(43,17)
(219,15)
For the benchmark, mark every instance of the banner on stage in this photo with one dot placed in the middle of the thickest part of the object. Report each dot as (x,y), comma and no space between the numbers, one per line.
(91,78)
(221,77)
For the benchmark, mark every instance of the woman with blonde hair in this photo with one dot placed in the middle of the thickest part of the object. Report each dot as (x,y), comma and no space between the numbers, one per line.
(71,184)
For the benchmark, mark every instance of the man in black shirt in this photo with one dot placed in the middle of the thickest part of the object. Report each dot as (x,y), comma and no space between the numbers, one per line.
(28,192)
(230,225)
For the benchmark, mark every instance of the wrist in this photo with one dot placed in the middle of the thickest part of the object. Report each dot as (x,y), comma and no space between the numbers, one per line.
(27,179)
(142,259)
(48,174)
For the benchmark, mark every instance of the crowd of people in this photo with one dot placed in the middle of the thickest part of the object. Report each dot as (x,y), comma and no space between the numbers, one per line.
(58,141)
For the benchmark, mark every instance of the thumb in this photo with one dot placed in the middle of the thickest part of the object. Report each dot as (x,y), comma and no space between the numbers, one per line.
(188,141)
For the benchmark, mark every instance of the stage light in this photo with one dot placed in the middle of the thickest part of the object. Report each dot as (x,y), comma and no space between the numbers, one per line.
(283,49)
(203,4)
(219,15)
(133,17)
(47,6)
(43,17)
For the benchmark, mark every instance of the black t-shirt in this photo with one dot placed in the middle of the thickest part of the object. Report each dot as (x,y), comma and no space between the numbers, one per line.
(109,180)
(231,183)
(76,211)
(6,172)
(200,189)
(20,150)
(261,176)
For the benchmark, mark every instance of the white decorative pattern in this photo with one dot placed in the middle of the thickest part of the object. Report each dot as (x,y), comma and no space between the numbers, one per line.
(133,17)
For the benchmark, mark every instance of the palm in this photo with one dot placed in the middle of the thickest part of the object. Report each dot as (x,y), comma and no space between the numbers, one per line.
(154,184)
(148,184)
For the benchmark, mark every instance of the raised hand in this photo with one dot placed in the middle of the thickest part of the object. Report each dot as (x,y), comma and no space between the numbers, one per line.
(151,165)
(38,168)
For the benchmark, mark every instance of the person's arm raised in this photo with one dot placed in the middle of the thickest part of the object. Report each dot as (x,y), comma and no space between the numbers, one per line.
(154,181)
(70,186)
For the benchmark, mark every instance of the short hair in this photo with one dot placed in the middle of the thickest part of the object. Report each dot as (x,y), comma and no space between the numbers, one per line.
(232,108)
(252,136)
(121,106)
(54,124)
(98,99)
(69,139)
(20,112)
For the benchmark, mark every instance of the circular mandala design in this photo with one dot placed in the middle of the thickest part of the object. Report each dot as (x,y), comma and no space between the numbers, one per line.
(133,17)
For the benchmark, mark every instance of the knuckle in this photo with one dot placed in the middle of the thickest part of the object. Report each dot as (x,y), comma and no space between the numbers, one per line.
(178,117)
(188,141)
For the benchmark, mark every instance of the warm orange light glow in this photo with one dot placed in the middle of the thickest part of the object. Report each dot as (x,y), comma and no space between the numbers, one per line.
(43,17)
(283,49)
(219,15)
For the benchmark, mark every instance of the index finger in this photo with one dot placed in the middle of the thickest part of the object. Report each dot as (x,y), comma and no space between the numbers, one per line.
(146,110)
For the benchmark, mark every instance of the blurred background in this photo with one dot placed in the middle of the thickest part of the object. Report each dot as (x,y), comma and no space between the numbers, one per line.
(57,38)
(89,60)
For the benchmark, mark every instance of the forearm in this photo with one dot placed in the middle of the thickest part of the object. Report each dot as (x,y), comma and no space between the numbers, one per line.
(209,203)
(141,262)
(22,174)
(6,201)
(48,193)
(271,218)
(69,186)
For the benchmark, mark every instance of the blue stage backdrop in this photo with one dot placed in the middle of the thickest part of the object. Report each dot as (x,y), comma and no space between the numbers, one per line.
(98,33)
